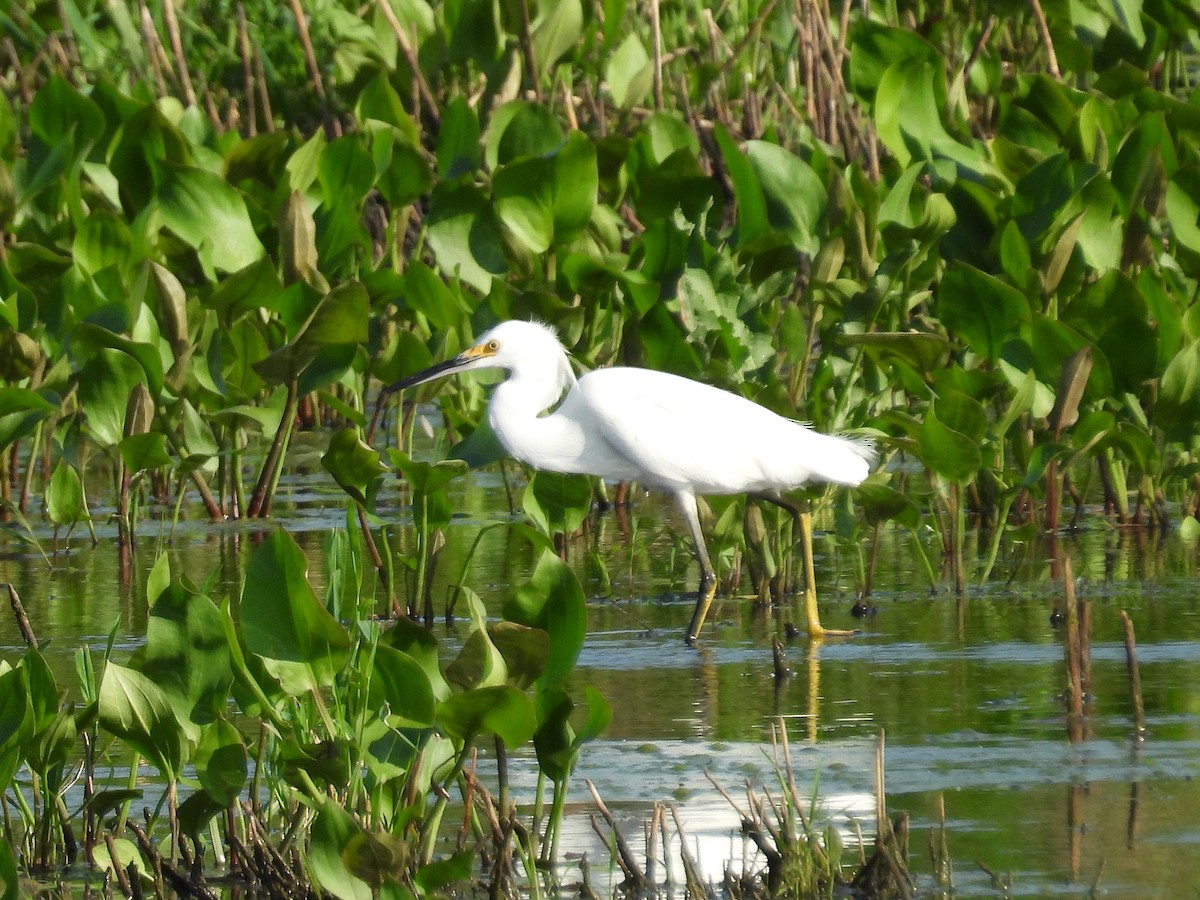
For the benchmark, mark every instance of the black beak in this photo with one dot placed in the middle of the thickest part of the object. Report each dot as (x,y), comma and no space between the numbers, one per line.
(435,371)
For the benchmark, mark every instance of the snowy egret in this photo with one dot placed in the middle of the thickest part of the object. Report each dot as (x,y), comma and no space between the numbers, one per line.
(660,430)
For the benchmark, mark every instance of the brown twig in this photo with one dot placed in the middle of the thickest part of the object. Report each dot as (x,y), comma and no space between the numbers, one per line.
(181,66)
(1044,31)
(1135,678)
(406,47)
(332,128)
(18,609)
(633,874)
(247,70)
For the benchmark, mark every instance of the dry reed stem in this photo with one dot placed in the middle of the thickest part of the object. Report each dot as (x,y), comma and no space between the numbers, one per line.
(332,128)
(635,877)
(247,70)
(1135,678)
(181,66)
(1044,30)
(428,102)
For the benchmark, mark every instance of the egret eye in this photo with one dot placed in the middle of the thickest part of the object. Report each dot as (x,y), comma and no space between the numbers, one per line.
(492,346)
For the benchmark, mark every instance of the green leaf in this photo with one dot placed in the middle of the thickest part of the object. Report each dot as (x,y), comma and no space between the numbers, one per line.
(345,171)
(747,191)
(556,32)
(501,710)
(419,645)
(187,656)
(521,129)
(64,495)
(284,624)
(525,651)
(136,710)
(355,466)
(479,663)
(400,682)
(221,762)
(1178,405)
(465,235)
(457,867)
(332,832)
(210,216)
(629,73)
(558,503)
(144,452)
(458,148)
(523,194)
(10,884)
(553,601)
(576,184)
(949,453)
(984,311)
(339,320)
(795,195)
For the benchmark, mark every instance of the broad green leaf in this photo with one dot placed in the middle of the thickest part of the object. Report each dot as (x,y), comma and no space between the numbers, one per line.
(332,831)
(345,171)
(284,624)
(59,114)
(407,177)
(576,183)
(379,100)
(630,72)
(794,193)
(458,149)
(465,235)
(521,129)
(429,295)
(882,503)
(221,762)
(501,710)
(479,663)
(210,216)
(556,742)
(556,32)
(419,645)
(354,465)
(339,321)
(105,383)
(949,453)
(136,710)
(558,503)
(525,651)
(102,240)
(143,452)
(15,714)
(400,682)
(10,883)
(523,192)
(64,495)
(747,190)
(187,656)
(981,309)
(1178,405)
(553,601)
(456,868)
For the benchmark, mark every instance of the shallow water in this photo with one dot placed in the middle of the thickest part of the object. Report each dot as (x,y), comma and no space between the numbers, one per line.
(967,690)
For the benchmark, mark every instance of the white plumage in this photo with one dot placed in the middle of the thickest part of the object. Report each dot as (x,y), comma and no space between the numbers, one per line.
(660,430)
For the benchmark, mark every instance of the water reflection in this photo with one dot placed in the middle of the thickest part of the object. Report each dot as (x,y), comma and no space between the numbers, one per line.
(969,689)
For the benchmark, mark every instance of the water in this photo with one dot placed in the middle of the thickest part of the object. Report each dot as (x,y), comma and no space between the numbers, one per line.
(968,691)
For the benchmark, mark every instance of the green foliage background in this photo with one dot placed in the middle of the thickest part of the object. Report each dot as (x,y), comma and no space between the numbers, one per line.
(971,230)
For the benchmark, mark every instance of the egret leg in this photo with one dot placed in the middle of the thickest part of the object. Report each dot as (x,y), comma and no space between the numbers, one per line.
(708,578)
(803,525)
(815,628)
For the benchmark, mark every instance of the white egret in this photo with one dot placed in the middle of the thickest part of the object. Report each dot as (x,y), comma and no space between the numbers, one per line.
(660,430)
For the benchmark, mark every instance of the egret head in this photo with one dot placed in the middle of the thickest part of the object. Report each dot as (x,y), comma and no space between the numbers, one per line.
(510,345)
